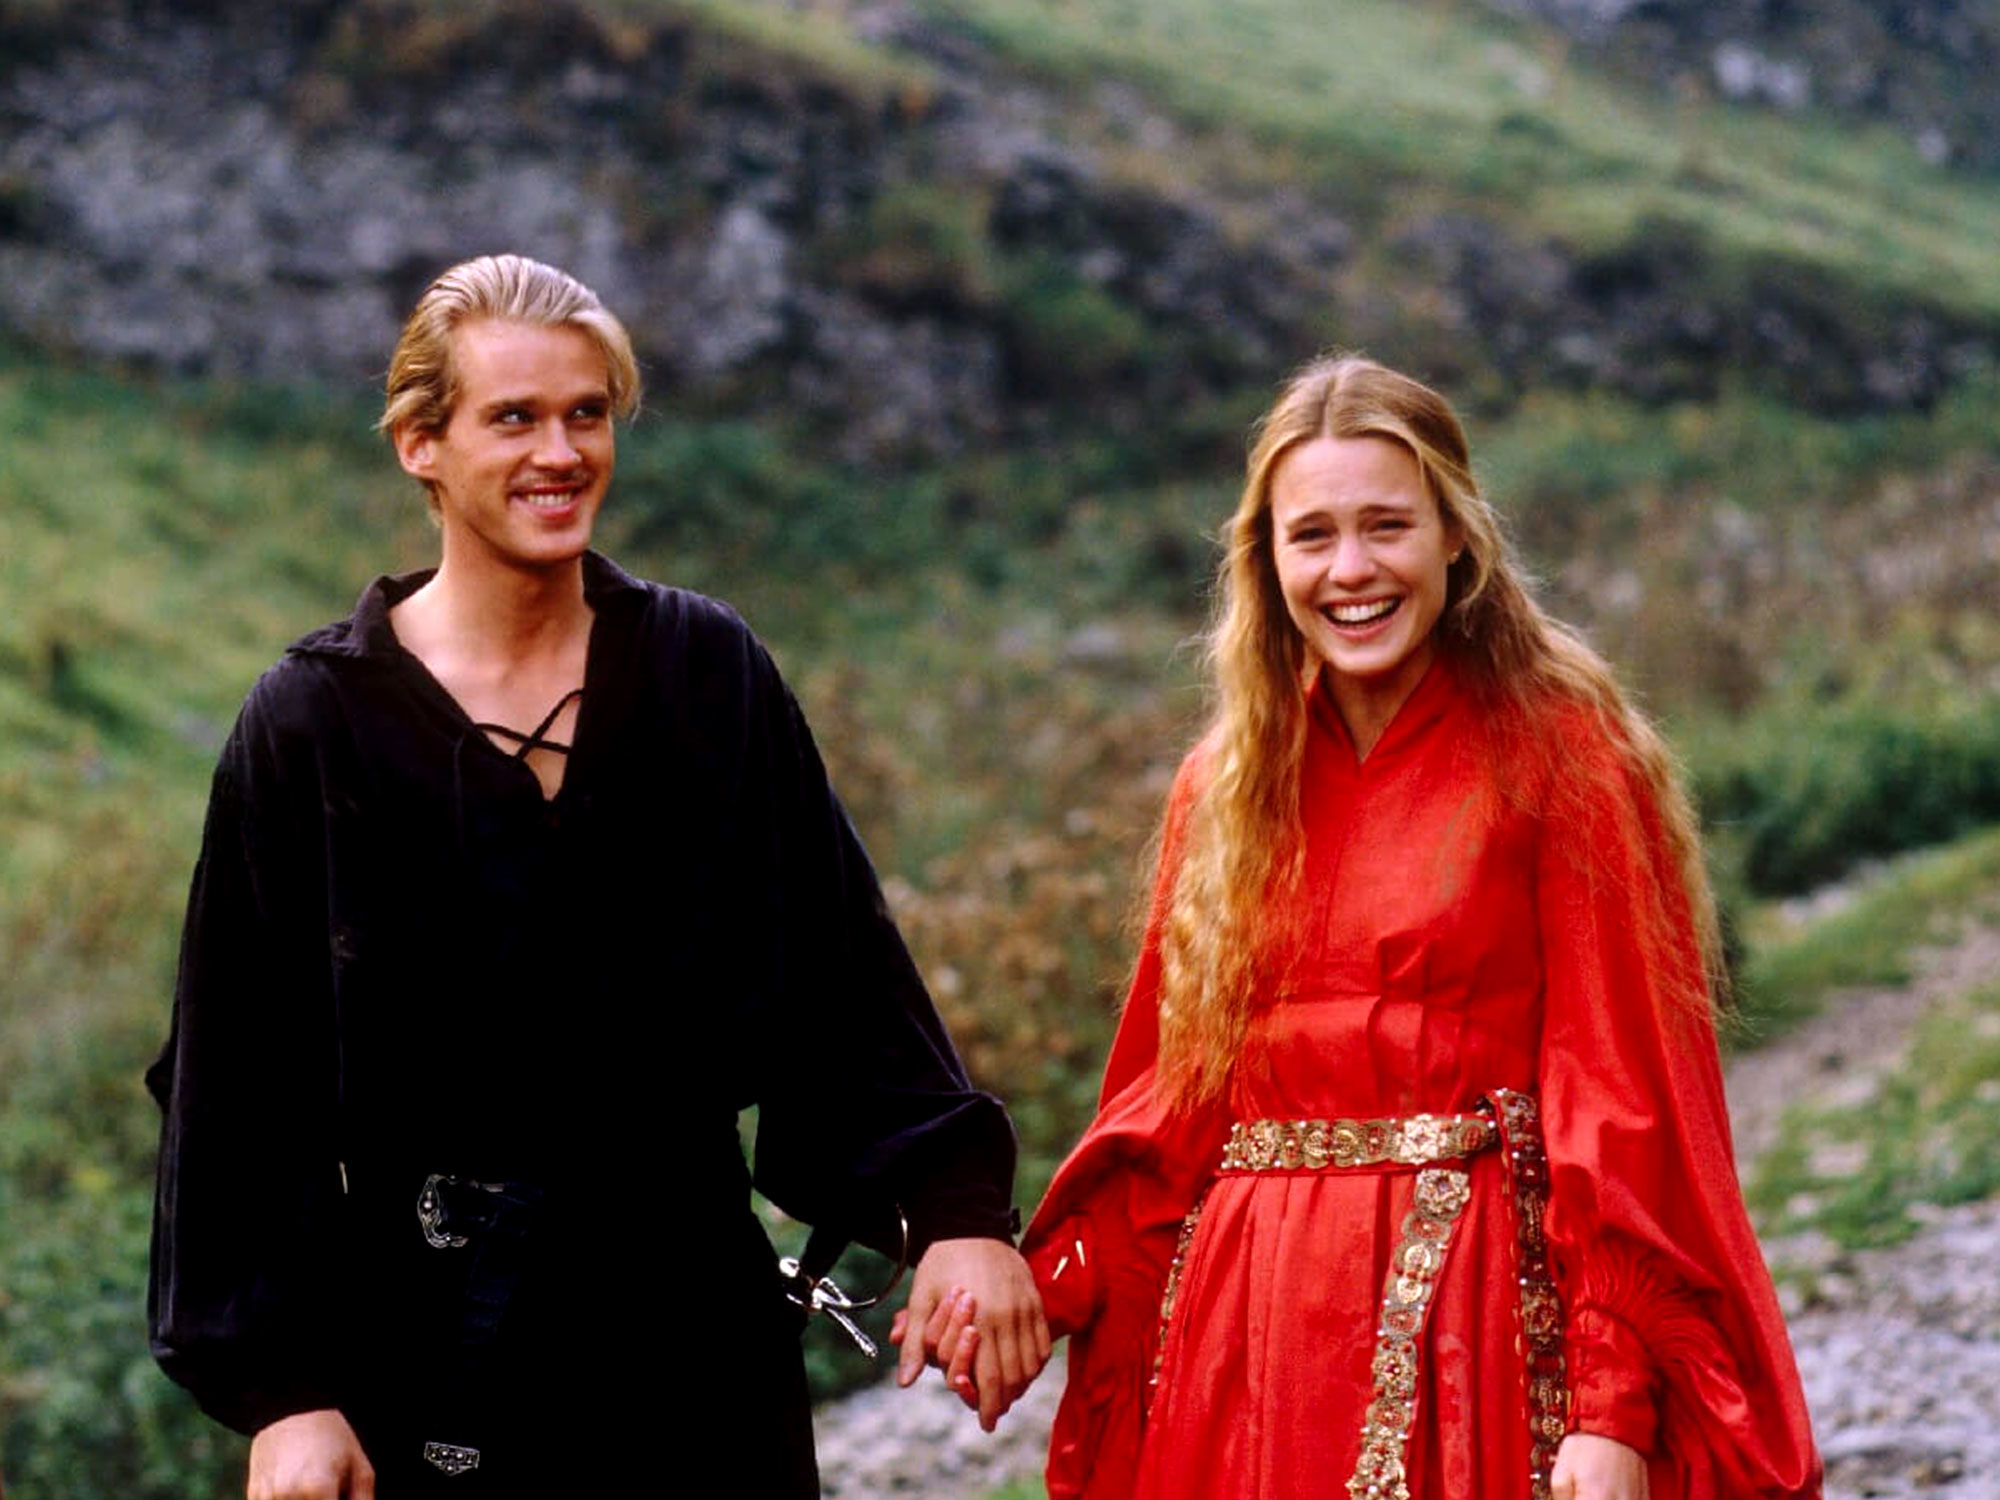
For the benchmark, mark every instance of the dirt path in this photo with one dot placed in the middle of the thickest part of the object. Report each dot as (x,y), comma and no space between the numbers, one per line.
(1899,1348)
(1839,1055)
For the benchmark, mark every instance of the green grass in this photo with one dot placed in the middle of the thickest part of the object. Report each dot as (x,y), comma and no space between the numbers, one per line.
(1439,102)
(162,542)
(813,39)
(1403,110)
(166,542)
(1928,1135)
(1791,972)
(1558,455)
(157,549)
(1409,107)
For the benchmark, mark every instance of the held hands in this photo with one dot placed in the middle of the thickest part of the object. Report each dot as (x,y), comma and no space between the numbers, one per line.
(312,1456)
(1589,1467)
(975,1312)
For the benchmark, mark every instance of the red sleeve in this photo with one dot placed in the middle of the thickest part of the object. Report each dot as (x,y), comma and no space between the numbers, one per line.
(1104,1237)
(1675,1343)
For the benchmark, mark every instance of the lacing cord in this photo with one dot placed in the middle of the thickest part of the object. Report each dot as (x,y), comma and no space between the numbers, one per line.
(538,737)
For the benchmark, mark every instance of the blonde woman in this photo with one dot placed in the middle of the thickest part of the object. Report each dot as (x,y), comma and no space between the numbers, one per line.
(1412,1175)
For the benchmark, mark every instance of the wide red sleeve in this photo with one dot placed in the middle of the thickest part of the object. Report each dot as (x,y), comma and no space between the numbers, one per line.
(1103,1241)
(1675,1344)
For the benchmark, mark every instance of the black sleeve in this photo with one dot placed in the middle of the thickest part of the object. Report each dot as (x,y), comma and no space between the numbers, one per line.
(864,1106)
(245,1303)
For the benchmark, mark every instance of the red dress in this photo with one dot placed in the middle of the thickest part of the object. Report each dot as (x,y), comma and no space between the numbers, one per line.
(1450,943)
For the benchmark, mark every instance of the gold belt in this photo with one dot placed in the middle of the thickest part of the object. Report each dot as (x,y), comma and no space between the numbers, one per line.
(1312,1145)
(1507,1119)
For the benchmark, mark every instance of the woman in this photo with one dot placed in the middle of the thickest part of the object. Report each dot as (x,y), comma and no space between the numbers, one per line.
(1412,1175)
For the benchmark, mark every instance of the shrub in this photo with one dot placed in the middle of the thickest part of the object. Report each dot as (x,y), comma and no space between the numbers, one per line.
(1064,333)
(1801,797)
(920,245)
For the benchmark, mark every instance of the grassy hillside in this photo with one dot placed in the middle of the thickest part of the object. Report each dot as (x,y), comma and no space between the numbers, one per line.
(165,543)
(1417,104)
(1400,112)
(992,648)
(1001,692)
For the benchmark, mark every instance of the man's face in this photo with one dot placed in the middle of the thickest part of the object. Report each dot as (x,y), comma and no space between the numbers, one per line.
(522,466)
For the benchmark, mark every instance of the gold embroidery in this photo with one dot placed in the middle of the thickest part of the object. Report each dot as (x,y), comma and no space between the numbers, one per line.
(1511,1121)
(1540,1306)
(1312,1145)
(1173,1291)
(1379,1473)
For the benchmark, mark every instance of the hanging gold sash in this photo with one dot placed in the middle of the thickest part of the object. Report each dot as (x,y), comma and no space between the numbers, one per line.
(1508,1120)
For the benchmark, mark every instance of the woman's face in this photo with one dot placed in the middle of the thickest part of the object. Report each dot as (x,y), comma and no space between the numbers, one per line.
(1361,551)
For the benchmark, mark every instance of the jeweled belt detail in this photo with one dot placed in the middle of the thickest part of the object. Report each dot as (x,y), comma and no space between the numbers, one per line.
(1188,1226)
(1380,1473)
(1540,1306)
(1313,1145)
(1506,1119)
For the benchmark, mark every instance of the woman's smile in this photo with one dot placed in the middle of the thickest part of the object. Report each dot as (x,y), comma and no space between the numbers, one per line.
(1362,553)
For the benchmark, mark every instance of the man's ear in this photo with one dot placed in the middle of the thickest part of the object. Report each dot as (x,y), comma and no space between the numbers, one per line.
(416,451)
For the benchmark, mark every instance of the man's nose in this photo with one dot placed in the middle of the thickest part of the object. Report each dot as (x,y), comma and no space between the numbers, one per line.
(555,450)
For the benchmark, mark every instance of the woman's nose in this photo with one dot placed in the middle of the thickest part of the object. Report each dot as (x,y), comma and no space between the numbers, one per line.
(1352,562)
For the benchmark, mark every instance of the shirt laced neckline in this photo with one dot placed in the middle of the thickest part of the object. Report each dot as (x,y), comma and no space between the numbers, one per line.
(538,737)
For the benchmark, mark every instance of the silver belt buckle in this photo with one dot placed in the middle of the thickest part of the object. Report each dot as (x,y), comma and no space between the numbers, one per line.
(450,1458)
(434,1220)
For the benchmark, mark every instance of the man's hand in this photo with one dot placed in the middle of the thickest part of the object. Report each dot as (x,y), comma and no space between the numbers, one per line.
(1589,1467)
(974,1298)
(312,1456)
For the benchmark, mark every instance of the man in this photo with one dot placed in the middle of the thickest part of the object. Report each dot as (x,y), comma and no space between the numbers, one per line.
(516,887)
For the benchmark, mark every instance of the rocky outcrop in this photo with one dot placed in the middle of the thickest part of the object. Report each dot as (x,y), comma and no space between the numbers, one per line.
(1924,66)
(919,252)
(247,192)
(1652,319)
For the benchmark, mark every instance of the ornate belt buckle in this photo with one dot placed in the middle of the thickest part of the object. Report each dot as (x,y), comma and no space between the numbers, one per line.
(1423,1138)
(434,1214)
(450,1458)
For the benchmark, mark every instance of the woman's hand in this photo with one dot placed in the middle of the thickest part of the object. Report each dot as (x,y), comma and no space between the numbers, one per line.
(312,1456)
(974,1307)
(1589,1467)
(952,1337)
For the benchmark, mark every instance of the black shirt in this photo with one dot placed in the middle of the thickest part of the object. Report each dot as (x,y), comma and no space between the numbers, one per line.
(401,960)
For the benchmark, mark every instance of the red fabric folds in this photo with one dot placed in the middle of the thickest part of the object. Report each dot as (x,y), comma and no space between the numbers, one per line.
(1450,940)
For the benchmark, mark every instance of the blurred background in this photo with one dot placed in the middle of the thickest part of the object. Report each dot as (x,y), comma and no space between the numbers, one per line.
(955,317)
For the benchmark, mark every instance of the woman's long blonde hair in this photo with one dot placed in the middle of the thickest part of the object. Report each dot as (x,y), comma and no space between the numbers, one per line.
(1242,848)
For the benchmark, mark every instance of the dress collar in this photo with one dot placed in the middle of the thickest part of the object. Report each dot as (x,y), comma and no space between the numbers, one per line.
(1433,696)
